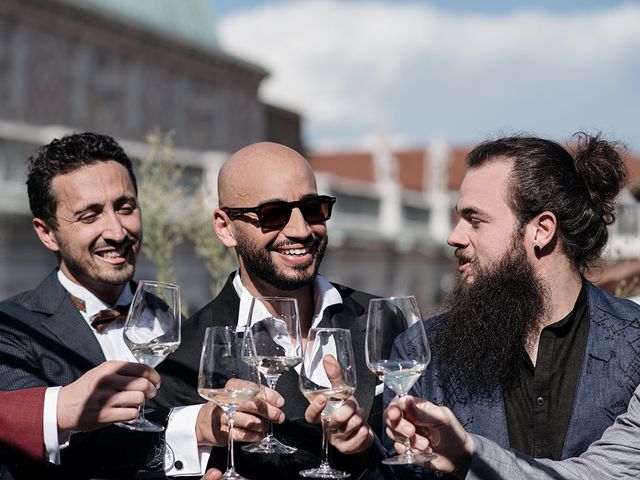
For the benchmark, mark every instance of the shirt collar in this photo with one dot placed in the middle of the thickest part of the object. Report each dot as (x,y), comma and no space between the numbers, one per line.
(92,303)
(325,295)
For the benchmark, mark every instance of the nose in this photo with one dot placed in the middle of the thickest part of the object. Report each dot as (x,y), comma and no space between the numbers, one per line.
(458,238)
(113,229)
(297,226)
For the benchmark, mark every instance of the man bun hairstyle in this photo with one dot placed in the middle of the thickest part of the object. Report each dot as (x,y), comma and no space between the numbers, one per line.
(63,156)
(579,186)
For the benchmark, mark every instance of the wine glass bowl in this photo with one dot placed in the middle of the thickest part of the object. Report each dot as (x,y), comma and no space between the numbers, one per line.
(388,317)
(273,325)
(328,369)
(228,377)
(152,331)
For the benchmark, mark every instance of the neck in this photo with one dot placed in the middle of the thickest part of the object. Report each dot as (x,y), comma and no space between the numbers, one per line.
(304,296)
(563,284)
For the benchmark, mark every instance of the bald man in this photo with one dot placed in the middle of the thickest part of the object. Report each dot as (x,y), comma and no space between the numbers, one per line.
(272,215)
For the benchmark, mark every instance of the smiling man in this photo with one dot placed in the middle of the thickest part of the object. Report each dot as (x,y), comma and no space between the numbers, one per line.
(83,196)
(272,215)
(528,352)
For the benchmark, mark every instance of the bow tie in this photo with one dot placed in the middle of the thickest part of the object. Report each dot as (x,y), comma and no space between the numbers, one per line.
(100,320)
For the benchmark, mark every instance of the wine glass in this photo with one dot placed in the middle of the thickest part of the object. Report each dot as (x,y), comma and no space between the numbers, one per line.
(274,326)
(152,332)
(328,369)
(387,318)
(228,376)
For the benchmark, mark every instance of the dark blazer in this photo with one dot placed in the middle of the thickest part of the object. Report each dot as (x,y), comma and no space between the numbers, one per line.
(180,372)
(21,422)
(44,341)
(608,377)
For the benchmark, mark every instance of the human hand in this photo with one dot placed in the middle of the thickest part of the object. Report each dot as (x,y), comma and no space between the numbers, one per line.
(212,474)
(249,421)
(348,428)
(430,428)
(108,393)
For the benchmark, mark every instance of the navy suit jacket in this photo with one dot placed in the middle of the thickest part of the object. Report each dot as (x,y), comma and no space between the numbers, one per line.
(608,377)
(44,341)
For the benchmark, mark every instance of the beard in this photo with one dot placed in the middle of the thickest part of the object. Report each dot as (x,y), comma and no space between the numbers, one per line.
(486,324)
(259,263)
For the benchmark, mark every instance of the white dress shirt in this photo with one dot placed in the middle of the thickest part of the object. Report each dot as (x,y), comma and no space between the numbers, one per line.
(180,432)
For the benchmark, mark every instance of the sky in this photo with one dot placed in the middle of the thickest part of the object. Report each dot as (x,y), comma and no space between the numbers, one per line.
(461,71)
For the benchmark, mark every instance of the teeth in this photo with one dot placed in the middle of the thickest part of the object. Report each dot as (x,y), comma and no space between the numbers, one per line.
(296,251)
(110,254)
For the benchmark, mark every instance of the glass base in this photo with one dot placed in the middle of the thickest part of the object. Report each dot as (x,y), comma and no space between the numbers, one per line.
(324,471)
(232,475)
(409,459)
(141,425)
(269,444)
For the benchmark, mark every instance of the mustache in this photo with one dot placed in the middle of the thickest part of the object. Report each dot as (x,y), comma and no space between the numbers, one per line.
(127,242)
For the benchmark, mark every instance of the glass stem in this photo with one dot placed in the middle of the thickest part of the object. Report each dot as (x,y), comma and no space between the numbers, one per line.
(141,412)
(324,462)
(231,464)
(271,383)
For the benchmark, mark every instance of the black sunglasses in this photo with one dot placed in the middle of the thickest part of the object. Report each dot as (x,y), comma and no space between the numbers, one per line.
(276,214)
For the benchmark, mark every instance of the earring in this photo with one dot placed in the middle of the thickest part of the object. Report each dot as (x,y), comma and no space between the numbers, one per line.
(536,248)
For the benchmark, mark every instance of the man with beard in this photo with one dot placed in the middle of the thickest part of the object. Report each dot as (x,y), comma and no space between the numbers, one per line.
(83,196)
(527,352)
(271,214)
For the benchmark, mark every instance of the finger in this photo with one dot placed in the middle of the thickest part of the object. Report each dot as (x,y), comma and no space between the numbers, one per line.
(125,399)
(109,415)
(130,369)
(333,370)
(246,421)
(352,425)
(261,408)
(272,397)
(344,413)
(359,441)
(212,474)
(314,410)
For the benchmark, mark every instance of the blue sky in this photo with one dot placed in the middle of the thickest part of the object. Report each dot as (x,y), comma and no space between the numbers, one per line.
(458,71)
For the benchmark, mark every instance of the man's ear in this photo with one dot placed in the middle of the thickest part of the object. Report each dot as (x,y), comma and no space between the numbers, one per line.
(224,229)
(46,234)
(541,230)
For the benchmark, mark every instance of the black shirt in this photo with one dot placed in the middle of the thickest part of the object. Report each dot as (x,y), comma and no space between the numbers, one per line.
(538,407)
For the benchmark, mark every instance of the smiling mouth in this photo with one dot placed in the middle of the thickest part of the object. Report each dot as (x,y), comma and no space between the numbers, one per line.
(121,252)
(296,252)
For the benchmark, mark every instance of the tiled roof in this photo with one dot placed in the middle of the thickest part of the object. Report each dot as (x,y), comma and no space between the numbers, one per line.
(360,166)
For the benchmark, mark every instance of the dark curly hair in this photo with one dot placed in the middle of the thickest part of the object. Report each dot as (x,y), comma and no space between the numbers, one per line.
(63,156)
(578,186)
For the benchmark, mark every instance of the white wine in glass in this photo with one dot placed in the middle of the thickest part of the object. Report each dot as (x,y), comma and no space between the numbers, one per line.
(152,332)
(328,369)
(274,327)
(228,377)
(387,318)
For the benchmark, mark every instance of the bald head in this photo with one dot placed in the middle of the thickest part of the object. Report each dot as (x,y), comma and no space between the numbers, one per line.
(259,171)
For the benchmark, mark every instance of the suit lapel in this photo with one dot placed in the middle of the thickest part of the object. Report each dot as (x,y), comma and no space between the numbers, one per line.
(65,321)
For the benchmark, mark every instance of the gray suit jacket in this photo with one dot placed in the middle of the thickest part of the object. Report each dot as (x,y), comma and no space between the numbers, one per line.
(44,341)
(615,455)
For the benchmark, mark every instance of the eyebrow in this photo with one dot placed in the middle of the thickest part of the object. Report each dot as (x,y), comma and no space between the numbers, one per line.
(304,197)
(468,211)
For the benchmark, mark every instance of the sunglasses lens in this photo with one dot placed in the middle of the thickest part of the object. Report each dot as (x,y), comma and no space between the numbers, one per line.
(316,210)
(274,215)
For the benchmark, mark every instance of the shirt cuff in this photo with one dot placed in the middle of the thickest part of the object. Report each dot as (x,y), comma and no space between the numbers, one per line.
(52,443)
(187,457)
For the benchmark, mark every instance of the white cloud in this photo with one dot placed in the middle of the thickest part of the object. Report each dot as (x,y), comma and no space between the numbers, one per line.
(350,66)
